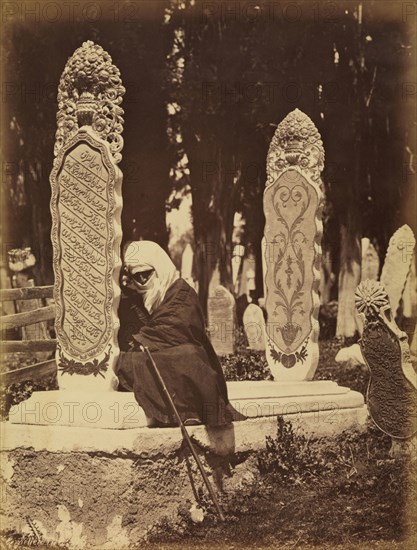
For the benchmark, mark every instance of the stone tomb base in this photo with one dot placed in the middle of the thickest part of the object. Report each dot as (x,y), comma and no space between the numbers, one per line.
(113,410)
(102,488)
(329,401)
(119,410)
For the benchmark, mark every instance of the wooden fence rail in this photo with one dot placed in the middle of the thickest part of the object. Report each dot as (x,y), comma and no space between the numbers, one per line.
(13,346)
(31,372)
(17,320)
(26,293)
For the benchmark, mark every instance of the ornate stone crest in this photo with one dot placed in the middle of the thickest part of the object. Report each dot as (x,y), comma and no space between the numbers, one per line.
(296,142)
(293,206)
(90,93)
(392,389)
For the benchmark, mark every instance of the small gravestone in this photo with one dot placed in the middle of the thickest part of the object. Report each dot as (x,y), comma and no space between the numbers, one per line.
(238,253)
(397,265)
(370,261)
(221,309)
(247,277)
(293,203)
(86,206)
(187,265)
(254,326)
(392,389)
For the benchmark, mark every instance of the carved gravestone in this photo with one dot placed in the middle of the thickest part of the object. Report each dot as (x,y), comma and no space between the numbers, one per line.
(293,200)
(370,261)
(221,309)
(254,326)
(86,206)
(397,265)
(392,389)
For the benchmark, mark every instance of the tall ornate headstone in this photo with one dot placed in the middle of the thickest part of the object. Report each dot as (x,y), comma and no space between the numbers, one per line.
(291,261)
(293,200)
(392,389)
(86,233)
(86,206)
(397,264)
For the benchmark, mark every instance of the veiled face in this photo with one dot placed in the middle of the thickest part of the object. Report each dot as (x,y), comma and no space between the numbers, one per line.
(142,277)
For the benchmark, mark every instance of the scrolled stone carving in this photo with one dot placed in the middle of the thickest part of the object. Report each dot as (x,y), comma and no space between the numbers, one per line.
(296,142)
(90,93)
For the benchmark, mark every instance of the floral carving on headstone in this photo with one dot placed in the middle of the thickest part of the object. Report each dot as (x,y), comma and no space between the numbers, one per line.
(90,92)
(296,142)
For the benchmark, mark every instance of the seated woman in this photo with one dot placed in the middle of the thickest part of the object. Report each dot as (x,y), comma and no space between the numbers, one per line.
(161,311)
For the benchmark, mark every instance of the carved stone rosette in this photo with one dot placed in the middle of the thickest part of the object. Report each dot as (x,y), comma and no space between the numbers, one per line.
(86,232)
(392,388)
(293,203)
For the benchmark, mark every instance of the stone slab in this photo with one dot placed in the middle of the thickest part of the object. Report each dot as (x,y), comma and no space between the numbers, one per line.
(247,435)
(259,399)
(112,410)
(266,389)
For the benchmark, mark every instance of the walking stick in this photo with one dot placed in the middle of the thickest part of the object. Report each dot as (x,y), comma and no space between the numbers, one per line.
(185,434)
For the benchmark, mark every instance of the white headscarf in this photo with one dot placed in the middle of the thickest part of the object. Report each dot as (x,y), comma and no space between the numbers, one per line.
(146,255)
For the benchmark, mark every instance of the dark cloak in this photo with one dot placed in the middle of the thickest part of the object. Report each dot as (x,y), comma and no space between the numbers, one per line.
(176,337)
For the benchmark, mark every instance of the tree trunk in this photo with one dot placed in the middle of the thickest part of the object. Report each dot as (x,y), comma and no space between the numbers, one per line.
(348,321)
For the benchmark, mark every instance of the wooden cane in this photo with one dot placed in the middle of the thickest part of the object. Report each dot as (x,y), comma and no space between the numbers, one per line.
(185,433)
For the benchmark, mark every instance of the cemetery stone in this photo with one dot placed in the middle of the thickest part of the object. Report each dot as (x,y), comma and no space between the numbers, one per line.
(254,325)
(397,265)
(86,206)
(221,309)
(370,261)
(392,389)
(293,201)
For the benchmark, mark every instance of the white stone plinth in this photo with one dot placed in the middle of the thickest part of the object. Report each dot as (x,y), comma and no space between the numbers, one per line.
(265,398)
(114,410)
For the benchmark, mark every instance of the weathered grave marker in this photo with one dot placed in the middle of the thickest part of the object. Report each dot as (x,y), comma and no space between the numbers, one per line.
(247,276)
(221,309)
(397,265)
(293,201)
(254,325)
(392,389)
(187,265)
(370,261)
(86,206)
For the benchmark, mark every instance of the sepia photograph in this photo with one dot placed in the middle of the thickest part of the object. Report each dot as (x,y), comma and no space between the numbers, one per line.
(208,275)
